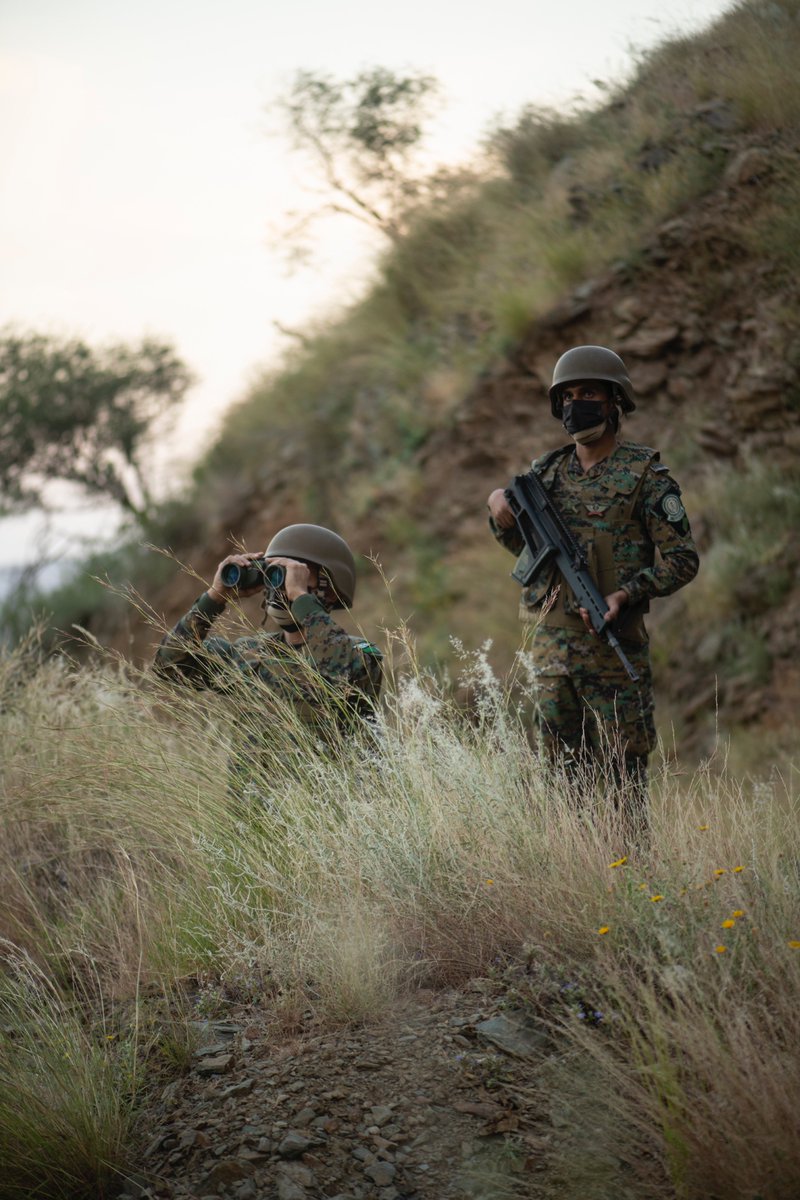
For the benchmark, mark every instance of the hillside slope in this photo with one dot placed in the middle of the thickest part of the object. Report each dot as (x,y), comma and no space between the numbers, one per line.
(707,328)
(663,224)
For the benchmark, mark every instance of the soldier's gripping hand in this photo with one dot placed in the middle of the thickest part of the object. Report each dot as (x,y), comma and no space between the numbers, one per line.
(500,509)
(222,594)
(616,601)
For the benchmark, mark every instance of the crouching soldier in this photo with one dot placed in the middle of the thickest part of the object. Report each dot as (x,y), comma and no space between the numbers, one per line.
(329,678)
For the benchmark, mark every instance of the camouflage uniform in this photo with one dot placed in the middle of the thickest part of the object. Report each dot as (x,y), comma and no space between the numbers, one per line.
(622,510)
(332,679)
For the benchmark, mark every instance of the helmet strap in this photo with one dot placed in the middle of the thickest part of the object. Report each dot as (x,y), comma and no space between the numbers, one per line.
(325,591)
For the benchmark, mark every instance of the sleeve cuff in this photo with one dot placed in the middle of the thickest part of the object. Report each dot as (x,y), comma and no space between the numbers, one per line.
(636,591)
(307,606)
(207,607)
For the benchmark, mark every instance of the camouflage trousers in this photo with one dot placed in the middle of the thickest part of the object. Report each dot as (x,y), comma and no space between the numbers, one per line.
(590,716)
(584,699)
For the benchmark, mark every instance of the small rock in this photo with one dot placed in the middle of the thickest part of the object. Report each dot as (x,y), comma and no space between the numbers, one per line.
(649,341)
(155,1144)
(289,1190)
(380,1114)
(253,1132)
(169,1094)
(294,1144)
(513,1035)
(216,1048)
(220,1064)
(192,1139)
(298,1172)
(304,1118)
(226,1172)
(247,1190)
(381,1173)
(239,1089)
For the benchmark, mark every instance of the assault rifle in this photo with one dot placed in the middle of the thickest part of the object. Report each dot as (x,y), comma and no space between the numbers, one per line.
(548,541)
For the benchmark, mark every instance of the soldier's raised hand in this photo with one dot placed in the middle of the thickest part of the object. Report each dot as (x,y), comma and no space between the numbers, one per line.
(220,591)
(500,509)
(300,577)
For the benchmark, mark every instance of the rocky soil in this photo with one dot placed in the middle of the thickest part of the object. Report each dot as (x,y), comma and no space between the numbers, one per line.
(431,1102)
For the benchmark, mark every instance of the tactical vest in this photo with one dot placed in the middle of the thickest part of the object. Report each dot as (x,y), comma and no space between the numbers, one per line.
(600,511)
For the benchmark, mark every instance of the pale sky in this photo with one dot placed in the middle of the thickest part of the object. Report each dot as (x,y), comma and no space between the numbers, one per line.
(139,180)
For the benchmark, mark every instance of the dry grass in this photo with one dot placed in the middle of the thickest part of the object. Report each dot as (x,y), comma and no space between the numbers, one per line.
(432,851)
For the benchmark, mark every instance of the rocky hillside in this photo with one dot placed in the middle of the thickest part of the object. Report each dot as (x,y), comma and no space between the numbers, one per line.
(707,326)
(663,224)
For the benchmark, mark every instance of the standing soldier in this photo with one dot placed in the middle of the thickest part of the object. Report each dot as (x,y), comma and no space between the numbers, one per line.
(621,503)
(331,677)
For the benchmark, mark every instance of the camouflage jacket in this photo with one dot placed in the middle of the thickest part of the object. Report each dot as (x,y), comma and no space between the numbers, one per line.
(332,672)
(622,510)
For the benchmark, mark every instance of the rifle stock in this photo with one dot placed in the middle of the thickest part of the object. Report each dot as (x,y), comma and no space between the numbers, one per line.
(549,541)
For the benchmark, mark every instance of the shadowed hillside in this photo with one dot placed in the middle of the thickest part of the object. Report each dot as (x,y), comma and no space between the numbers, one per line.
(422,962)
(663,224)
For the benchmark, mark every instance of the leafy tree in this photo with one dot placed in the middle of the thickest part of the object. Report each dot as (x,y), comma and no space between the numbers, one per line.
(361,134)
(71,412)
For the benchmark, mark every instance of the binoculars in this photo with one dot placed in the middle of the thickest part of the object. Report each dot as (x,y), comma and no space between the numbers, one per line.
(258,573)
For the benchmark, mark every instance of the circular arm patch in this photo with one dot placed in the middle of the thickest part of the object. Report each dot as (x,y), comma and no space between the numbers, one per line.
(672,507)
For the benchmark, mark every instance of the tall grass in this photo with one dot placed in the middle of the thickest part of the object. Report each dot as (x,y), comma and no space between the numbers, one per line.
(427,851)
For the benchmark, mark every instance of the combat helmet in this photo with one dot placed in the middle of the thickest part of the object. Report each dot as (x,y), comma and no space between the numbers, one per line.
(592,362)
(324,548)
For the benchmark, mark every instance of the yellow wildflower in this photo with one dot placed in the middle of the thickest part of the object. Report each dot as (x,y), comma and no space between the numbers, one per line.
(642,886)
(489,882)
(720,949)
(655,899)
(605,928)
(620,862)
(793,944)
(719,871)
(702,828)
(738,912)
(737,870)
(729,924)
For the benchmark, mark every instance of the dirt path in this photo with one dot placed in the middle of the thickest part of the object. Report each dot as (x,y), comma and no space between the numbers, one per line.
(423,1104)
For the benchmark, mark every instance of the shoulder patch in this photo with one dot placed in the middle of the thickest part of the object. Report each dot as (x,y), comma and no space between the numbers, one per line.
(368,648)
(671,505)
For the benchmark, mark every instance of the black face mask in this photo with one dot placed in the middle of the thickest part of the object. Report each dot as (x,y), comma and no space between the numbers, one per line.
(582,414)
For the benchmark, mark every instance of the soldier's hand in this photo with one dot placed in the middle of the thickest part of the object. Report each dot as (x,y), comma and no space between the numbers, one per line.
(222,594)
(300,577)
(616,601)
(501,510)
